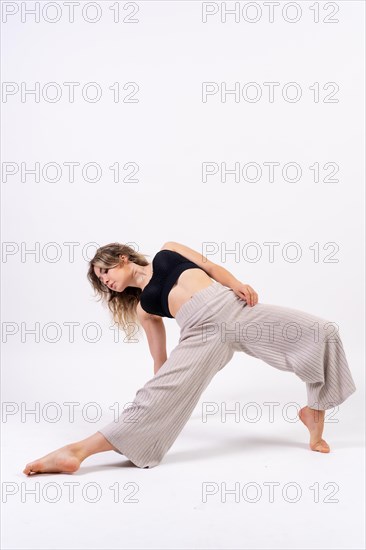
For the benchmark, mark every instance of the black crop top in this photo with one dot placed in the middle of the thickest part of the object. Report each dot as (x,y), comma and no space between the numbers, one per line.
(167,266)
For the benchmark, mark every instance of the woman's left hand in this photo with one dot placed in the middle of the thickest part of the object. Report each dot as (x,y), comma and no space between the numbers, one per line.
(247,293)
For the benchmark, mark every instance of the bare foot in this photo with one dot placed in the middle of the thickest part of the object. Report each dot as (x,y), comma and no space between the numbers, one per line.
(314,421)
(66,459)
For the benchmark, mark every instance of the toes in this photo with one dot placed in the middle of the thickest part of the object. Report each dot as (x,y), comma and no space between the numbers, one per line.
(321,447)
(27,469)
(31,468)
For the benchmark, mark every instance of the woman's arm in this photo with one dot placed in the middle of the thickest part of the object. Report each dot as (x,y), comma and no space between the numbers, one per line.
(223,276)
(156,335)
(245,292)
(154,328)
(215,271)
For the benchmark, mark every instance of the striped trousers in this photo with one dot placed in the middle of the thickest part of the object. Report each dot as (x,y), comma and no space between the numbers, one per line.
(215,323)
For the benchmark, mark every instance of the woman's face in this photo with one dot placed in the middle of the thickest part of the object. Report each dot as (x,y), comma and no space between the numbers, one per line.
(115,278)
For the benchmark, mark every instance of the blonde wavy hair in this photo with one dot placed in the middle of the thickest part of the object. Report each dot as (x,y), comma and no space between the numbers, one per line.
(122,305)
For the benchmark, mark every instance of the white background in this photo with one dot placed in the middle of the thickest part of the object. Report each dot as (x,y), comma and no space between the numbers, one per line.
(170,132)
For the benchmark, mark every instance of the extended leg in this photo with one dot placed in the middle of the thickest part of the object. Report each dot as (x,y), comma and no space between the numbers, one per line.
(146,430)
(67,459)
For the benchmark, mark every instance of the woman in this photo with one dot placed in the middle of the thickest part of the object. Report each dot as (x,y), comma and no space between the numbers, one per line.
(218,316)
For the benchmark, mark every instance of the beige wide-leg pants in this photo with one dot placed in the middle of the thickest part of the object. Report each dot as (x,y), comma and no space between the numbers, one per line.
(215,323)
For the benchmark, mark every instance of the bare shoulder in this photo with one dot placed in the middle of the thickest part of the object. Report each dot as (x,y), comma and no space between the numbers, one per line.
(192,255)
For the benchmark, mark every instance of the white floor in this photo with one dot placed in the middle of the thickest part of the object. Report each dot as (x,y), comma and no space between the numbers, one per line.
(189,501)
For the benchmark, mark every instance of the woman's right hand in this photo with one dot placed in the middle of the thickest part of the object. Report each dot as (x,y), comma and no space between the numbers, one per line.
(246,293)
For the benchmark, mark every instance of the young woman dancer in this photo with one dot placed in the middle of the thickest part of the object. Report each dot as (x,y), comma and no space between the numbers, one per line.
(218,315)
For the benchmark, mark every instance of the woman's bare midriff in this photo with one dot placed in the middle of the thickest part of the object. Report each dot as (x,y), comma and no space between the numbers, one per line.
(190,281)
